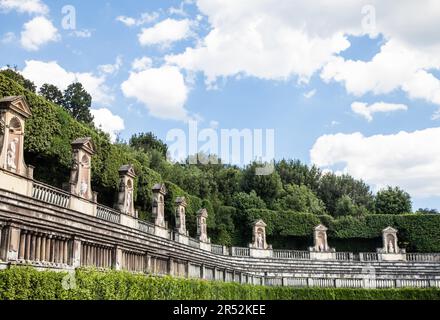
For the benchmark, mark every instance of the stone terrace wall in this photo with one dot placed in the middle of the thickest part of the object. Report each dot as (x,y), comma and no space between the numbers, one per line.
(42,232)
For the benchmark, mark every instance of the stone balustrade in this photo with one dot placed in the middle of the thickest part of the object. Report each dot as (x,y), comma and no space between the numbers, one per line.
(291,254)
(218,249)
(38,239)
(108,214)
(46,193)
(240,252)
(425,257)
(146,226)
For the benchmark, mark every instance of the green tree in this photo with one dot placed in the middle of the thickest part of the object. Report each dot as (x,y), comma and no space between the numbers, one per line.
(346,207)
(295,172)
(300,199)
(332,187)
(51,93)
(393,201)
(267,187)
(78,102)
(12,73)
(427,211)
(147,142)
(243,201)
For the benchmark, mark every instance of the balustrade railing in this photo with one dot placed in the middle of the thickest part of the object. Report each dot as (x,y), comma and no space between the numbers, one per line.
(108,214)
(344,256)
(240,252)
(291,254)
(369,256)
(43,192)
(423,257)
(146,226)
(218,249)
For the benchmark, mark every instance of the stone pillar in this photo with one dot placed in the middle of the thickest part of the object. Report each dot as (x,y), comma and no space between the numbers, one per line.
(49,248)
(125,202)
(202,226)
(171,266)
(159,192)
(38,248)
(80,175)
(117,261)
(12,243)
(13,114)
(76,253)
(181,215)
(22,246)
(148,262)
(43,248)
(27,255)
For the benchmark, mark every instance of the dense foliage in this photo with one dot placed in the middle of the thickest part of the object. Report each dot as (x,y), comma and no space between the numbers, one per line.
(292,200)
(29,284)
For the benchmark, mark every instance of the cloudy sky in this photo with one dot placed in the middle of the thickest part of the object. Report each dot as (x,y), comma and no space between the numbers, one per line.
(352,87)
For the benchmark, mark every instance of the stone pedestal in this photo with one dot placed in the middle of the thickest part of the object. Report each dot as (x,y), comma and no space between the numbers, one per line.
(129,221)
(181,238)
(205,246)
(314,255)
(261,253)
(161,232)
(392,256)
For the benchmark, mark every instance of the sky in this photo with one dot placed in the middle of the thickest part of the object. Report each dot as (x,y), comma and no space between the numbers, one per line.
(350,86)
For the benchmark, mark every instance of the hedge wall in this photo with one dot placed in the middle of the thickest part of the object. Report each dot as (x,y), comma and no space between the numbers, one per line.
(29,284)
(417,232)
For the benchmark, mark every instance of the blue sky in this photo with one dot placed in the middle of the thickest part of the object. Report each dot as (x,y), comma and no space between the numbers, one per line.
(347,87)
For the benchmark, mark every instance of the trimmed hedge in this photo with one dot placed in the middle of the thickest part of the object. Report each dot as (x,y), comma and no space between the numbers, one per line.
(417,232)
(29,284)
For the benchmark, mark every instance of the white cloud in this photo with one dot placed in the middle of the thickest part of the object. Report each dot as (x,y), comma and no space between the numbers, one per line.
(26,6)
(144,19)
(394,67)
(278,40)
(410,160)
(310,94)
(38,32)
(162,90)
(165,32)
(141,64)
(367,111)
(111,68)
(51,72)
(128,21)
(108,122)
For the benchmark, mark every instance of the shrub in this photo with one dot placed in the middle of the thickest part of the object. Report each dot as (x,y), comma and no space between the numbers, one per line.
(29,284)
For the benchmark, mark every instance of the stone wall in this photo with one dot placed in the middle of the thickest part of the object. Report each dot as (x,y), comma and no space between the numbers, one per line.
(45,233)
